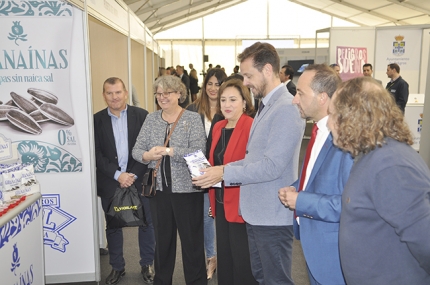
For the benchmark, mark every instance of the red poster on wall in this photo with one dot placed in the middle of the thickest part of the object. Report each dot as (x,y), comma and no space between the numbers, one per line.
(350,61)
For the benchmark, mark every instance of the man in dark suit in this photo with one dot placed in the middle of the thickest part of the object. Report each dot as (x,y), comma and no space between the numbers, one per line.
(322,179)
(286,75)
(186,80)
(115,130)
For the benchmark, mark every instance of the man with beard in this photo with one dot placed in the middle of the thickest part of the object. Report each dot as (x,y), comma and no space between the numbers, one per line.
(271,162)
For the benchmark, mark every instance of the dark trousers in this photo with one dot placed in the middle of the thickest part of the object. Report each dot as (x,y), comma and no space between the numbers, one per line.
(234,266)
(146,239)
(181,213)
(271,250)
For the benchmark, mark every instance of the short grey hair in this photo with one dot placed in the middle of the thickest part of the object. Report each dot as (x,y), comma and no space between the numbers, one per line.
(173,83)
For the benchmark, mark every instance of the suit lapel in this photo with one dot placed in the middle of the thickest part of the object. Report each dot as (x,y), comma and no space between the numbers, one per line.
(265,110)
(107,127)
(131,127)
(328,144)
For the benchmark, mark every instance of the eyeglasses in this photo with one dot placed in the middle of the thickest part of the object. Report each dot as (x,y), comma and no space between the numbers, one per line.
(164,94)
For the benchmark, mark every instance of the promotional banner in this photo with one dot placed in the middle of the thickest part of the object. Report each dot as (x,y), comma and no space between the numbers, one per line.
(350,61)
(401,46)
(45,113)
(35,84)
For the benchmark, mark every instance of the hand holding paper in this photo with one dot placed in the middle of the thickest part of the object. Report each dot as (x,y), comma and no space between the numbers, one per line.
(199,168)
(211,177)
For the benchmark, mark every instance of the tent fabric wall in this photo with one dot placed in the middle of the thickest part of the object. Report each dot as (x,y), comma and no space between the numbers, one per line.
(150,77)
(108,56)
(137,71)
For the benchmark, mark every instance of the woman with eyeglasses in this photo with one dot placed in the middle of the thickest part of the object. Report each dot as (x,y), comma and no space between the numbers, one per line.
(177,206)
(229,140)
(206,106)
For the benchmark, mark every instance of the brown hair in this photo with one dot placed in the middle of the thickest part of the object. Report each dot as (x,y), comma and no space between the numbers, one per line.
(202,101)
(243,91)
(394,66)
(113,81)
(366,115)
(261,54)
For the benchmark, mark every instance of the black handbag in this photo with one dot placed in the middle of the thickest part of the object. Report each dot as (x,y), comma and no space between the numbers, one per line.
(125,209)
(149,181)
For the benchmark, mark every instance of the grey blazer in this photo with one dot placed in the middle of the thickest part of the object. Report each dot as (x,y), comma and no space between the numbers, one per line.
(271,162)
(188,136)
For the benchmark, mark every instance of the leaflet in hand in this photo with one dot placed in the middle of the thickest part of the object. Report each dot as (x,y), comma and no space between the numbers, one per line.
(196,161)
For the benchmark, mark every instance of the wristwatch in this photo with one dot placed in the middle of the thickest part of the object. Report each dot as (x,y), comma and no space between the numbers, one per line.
(167,150)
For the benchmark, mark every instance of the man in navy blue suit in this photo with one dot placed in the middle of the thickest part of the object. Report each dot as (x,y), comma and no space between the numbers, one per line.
(316,195)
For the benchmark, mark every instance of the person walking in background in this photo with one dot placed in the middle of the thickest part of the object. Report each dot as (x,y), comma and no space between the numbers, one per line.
(229,140)
(235,70)
(194,84)
(206,106)
(177,206)
(397,86)
(316,195)
(385,218)
(115,131)
(336,68)
(271,162)
(368,71)
(186,81)
(286,75)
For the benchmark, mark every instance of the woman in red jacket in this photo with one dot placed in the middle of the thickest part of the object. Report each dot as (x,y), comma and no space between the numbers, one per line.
(229,139)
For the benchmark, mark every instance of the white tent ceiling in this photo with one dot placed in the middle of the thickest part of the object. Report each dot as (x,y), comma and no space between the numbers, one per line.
(161,15)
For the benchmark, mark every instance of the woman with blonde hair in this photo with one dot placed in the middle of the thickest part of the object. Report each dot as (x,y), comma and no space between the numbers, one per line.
(177,206)
(385,218)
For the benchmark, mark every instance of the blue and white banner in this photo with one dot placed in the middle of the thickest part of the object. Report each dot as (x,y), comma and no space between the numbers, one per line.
(35,71)
(45,112)
(21,257)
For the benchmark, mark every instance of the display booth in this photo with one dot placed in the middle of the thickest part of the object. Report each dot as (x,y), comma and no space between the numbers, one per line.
(21,257)
(55,58)
(408,46)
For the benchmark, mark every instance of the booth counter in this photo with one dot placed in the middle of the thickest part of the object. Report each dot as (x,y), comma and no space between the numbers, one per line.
(21,243)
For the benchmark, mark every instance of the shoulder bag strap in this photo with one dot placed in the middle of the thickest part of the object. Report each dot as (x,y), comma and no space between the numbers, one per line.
(167,140)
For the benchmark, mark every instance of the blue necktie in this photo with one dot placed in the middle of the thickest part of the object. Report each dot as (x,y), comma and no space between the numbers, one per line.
(260,107)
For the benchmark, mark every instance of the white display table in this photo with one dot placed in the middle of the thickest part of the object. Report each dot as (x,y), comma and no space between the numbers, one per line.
(414,117)
(21,243)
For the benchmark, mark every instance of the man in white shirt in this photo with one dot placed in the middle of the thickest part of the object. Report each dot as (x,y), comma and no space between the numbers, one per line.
(316,195)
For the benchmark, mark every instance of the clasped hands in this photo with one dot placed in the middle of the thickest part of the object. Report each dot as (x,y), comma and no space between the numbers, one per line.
(210,177)
(156,153)
(288,196)
(126,179)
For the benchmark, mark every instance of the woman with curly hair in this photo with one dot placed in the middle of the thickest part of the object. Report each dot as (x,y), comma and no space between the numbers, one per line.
(385,220)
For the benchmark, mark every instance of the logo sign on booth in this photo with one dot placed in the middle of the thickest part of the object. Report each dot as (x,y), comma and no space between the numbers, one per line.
(350,61)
